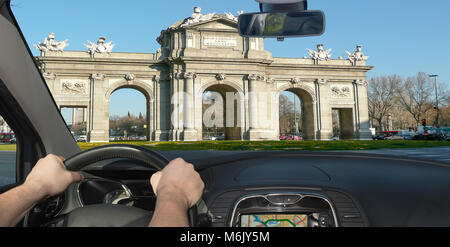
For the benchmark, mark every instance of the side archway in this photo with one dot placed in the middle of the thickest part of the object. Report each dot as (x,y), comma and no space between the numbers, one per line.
(304,123)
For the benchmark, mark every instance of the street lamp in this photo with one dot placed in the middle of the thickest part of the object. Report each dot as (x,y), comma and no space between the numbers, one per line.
(437,100)
(295,114)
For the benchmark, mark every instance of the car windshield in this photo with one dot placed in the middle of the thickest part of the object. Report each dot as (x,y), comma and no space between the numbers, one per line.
(176,74)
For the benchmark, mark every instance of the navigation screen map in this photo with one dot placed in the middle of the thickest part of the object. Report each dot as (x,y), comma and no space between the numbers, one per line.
(274,220)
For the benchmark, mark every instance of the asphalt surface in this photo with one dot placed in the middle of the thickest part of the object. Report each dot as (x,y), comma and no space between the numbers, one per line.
(442,154)
(7,167)
(439,154)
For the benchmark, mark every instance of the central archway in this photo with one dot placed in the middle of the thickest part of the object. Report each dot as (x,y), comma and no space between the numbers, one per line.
(301,118)
(225,100)
(139,125)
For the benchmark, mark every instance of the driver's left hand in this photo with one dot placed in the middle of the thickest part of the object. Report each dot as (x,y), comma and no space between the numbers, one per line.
(50,177)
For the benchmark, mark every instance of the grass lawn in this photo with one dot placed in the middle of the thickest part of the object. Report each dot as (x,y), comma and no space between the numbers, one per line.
(268,145)
(7,147)
(276,145)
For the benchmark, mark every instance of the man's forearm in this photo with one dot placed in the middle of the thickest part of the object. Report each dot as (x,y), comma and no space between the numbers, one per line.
(15,203)
(170,211)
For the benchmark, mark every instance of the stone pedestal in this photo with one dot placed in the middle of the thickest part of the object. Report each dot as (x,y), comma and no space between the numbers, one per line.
(263,135)
(190,135)
(162,135)
(365,135)
(97,136)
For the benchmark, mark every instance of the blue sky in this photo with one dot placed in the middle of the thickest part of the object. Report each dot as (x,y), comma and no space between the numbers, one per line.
(401,37)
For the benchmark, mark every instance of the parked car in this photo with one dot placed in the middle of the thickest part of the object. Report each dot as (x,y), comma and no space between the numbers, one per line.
(397,137)
(388,135)
(291,138)
(446,132)
(221,138)
(7,138)
(378,137)
(82,138)
(218,138)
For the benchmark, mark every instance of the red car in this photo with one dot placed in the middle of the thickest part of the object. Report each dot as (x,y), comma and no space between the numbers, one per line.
(290,138)
(7,138)
(389,134)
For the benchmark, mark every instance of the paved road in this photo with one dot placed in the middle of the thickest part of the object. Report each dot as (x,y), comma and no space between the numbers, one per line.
(7,159)
(7,167)
(440,154)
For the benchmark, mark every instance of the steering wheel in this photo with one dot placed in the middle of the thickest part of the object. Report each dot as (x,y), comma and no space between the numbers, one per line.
(115,215)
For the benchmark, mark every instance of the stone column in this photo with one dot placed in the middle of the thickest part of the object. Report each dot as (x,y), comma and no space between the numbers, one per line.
(98,129)
(260,104)
(189,133)
(160,116)
(363,110)
(324,113)
(176,117)
(252,102)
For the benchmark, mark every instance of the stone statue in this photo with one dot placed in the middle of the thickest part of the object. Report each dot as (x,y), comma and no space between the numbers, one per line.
(221,77)
(130,77)
(197,17)
(320,54)
(358,55)
(295,81)
(51,45)
(100,47)
(232,17)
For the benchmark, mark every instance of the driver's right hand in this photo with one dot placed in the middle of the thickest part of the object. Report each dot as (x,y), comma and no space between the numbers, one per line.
(178,180)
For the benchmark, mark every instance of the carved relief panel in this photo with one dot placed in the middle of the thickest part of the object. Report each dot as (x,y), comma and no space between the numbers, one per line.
(74,87)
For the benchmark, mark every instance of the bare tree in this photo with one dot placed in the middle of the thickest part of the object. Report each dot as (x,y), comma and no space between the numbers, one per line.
(415,95)
(286,114)
(383,96)
(445,112)
(443,99)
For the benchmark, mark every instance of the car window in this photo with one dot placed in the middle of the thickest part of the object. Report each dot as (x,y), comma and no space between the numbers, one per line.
(115,88)
(7,154)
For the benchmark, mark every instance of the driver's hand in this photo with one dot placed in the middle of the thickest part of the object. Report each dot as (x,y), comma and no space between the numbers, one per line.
(178,180)
(50,176)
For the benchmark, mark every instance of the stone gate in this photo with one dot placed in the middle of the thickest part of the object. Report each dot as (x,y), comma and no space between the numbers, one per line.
(205,53)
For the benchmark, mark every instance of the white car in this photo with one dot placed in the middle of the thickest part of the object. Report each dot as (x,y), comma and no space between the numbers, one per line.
(82,138)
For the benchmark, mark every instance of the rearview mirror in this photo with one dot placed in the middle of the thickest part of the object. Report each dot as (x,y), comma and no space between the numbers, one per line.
(282,24)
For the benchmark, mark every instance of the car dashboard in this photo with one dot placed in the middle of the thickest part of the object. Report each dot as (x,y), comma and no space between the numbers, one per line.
(287,189)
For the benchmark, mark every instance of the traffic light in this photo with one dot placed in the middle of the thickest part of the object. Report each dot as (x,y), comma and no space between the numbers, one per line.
(424,122)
